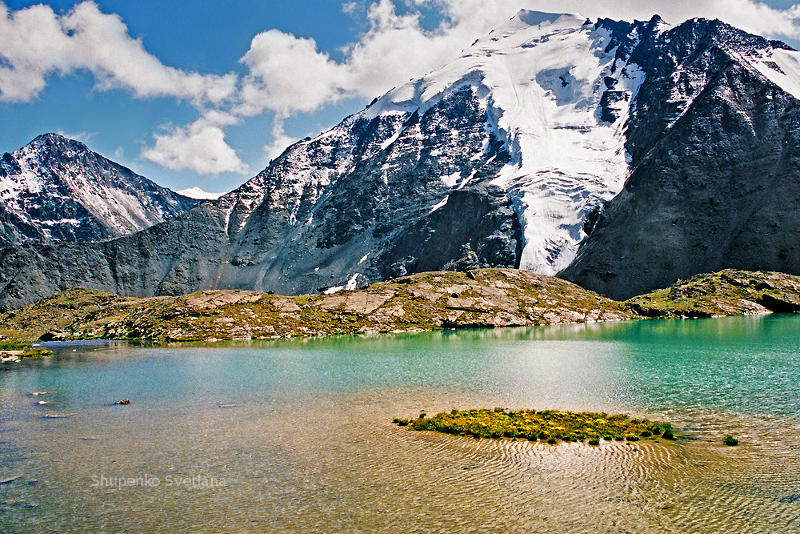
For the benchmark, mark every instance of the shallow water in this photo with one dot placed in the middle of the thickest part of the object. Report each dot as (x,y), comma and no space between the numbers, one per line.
(296,435)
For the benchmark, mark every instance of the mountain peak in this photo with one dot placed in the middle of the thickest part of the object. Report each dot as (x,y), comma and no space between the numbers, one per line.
(53,138)
(58,142)
(56,188)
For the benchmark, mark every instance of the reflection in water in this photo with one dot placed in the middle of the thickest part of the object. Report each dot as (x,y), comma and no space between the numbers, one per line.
(295,435)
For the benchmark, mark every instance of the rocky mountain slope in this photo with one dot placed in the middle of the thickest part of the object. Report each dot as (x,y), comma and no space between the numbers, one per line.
(715,174)
(55,188)
(551,127)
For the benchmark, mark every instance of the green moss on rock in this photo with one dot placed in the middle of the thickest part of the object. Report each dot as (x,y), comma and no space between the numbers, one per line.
(420,302)
(728,292)
(549,425)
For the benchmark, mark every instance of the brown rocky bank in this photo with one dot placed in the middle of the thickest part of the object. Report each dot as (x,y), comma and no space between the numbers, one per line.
(420,302)
(426,301)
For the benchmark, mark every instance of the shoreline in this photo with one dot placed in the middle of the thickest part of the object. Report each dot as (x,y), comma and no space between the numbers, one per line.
(436,301)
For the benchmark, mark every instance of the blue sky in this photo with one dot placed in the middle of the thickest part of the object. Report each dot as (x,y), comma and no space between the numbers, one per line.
(162,87)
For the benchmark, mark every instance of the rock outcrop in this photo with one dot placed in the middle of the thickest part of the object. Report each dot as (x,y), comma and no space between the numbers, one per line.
(427,301)
(728,292)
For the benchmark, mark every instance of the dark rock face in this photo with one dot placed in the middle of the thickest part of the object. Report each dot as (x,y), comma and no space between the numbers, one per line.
(718,187)
(56,189)
(475,228)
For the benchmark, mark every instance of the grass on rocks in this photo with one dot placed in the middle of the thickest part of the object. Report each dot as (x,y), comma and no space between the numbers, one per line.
(550,426)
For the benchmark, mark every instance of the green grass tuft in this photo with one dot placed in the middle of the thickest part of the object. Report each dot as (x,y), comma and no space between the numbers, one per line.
(730,441)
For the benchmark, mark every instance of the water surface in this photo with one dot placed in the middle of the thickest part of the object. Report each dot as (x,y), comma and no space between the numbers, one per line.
(295,435)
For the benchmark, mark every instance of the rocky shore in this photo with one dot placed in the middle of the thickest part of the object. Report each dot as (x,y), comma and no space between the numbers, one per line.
(429,301)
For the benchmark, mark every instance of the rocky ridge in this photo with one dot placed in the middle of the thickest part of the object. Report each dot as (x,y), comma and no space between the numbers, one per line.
(728,292)
(420,302)
(486,298)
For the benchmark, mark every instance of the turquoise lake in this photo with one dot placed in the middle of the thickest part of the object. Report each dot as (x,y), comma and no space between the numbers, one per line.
(296,435)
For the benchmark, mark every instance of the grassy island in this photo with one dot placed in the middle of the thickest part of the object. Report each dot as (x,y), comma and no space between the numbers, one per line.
(550,425)
(11,351)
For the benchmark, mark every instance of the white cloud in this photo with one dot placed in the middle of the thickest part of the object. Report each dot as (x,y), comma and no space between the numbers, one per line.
(287,75)
(36,42)
(200,147)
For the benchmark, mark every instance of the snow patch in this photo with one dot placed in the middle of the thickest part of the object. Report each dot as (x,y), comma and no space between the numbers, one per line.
(199,194)
(451,179)
(439,205)
(781,67)
(332,290)
(351,285)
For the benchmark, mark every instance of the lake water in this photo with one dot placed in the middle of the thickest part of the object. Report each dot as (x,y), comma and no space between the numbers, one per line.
(296,435)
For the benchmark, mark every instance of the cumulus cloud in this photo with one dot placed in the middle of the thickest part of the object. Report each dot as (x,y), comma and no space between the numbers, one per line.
(284,74)
(288,74)
(36,42)
(200,147)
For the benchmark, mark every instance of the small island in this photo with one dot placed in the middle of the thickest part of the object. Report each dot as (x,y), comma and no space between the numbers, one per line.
(550,426)
(16,351)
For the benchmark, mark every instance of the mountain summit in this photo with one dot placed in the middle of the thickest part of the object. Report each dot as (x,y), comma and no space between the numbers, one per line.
(55,188)
(624,155)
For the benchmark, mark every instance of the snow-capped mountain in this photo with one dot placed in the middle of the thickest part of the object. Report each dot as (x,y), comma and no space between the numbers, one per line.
(199,194)
(495,159)
(55,188)
(661,142)
(554,90)
(714,182)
